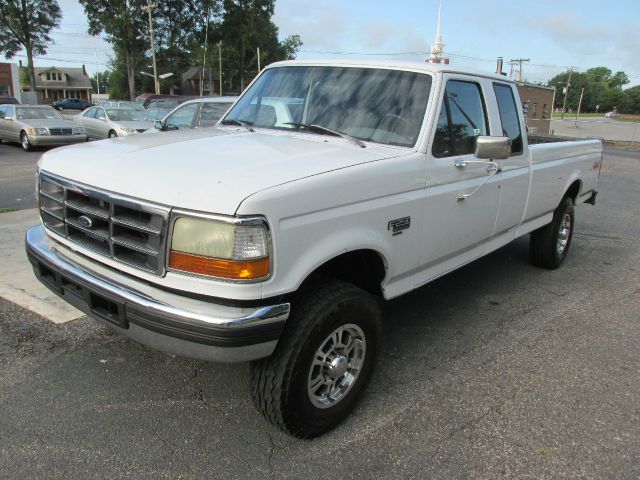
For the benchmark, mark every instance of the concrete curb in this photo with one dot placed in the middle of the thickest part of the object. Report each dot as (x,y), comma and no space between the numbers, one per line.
(18,284)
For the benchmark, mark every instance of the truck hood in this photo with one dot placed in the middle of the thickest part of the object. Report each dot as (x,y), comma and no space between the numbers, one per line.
(211,171)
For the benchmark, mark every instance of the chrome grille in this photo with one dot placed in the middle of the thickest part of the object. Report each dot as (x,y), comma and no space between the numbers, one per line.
(117,227)
(61,131)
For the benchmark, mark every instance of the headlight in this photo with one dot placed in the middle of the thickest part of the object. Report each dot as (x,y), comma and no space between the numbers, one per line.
(37,131)
(78,130)
(127,129)
(234,251)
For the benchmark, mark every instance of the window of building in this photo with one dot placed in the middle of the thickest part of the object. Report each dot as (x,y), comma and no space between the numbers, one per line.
(534,110)
(545,111)
(463,118)
(509,116)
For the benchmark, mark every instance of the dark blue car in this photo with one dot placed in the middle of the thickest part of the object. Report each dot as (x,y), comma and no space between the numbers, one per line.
(71,104)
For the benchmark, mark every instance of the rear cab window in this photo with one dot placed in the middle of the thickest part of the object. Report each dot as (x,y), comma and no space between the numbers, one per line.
(509,118)
(463,117)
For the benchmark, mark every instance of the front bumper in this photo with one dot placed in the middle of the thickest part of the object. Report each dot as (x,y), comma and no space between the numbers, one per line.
(166,321)
(55,140)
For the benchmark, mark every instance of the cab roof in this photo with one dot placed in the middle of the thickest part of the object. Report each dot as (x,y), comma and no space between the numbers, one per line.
(394,65)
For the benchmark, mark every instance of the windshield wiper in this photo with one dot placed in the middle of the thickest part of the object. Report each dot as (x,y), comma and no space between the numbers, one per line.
(326,130)
(233,121)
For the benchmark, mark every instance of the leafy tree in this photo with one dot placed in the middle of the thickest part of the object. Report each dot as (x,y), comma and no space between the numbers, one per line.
(105,81)
(123,21)
(602,89)
(182,27)
(26,24)
(632,99)
(247,25)
(290,47)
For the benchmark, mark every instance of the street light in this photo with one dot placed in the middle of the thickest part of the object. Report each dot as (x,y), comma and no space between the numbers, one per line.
(161,77)
(149,7)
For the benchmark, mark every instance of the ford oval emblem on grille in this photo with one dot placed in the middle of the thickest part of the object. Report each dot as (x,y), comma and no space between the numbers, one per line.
(85,221)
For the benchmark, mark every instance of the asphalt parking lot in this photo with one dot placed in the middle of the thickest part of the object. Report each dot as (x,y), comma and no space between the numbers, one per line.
(498,370)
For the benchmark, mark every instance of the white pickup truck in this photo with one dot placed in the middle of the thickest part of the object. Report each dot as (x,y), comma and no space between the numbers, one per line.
(327,188)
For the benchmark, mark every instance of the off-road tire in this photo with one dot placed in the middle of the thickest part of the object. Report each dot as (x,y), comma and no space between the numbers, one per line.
(544,241)
(279,383)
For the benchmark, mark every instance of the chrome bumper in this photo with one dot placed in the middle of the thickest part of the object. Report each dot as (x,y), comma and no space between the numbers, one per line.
(56,140)
(166,321)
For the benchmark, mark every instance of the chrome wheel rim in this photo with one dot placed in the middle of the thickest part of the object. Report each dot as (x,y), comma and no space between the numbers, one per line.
(25,141)
(563,234)
(336,366)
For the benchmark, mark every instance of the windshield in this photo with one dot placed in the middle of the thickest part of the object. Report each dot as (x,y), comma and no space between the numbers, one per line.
(383,106)
(155,113)
(124,114)
(34,113)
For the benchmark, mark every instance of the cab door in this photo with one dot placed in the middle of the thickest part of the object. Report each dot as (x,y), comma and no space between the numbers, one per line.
(515,171)
(462,196)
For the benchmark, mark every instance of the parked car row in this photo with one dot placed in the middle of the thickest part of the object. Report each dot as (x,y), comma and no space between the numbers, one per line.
(41,125)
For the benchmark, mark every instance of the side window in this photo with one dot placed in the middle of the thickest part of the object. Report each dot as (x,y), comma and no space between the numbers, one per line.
(183,117)
(463,117)
(91,113)
(100,114)
(509,116)
(211,113)
(8,112)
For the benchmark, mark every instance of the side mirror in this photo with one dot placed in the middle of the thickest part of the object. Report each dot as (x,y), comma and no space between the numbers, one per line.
(494,148)
(157,124)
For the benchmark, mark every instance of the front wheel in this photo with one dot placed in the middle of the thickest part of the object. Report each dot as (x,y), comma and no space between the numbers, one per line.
(112,134)
(24,141)
(550,244)
(323,361)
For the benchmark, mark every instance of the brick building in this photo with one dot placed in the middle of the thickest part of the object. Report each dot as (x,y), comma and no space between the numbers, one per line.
(9,80)
(537,103)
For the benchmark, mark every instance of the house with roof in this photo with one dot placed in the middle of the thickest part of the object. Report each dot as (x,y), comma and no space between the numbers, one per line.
(191,79)
(56,83)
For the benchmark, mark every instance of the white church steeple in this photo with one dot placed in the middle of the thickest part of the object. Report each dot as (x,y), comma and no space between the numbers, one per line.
(437,47)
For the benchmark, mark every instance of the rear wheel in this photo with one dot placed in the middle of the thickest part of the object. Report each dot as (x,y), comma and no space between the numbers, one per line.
(24,141)
(550,244)
(323,361)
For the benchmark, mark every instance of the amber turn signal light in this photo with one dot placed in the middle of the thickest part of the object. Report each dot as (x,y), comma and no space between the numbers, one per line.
(216,267)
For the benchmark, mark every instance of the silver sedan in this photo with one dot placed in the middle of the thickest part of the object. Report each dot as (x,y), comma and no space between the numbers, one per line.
(111,122)
(37,125)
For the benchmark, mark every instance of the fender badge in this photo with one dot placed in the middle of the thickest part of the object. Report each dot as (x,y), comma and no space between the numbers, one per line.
(398,225)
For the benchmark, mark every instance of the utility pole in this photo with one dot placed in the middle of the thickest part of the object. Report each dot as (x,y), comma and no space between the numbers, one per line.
(204,56)
(579,106)
(150,6)
(97,72)
(519,61)
(220,64)
(566,94)
(258,59)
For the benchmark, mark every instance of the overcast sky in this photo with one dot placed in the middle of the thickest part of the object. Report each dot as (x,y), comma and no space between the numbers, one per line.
(554,34)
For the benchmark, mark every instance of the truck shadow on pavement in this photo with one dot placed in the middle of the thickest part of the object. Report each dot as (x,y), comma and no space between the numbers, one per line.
(78,396)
